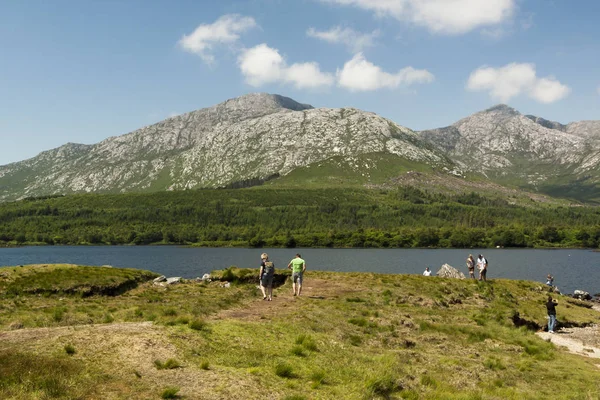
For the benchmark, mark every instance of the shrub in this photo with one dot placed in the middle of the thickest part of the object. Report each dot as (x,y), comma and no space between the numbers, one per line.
(170,393)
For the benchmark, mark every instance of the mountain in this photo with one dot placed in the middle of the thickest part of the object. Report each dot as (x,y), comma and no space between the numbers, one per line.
(247,138)
(526,151)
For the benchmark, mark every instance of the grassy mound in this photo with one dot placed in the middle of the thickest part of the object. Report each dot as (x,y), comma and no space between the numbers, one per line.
(349,336)
(70,279)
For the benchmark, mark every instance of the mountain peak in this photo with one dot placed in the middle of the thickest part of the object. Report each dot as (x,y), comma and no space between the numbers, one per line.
(503,109)
(266,101)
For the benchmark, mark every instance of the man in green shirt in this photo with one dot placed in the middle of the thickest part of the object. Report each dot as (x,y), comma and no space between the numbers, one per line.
(298,266)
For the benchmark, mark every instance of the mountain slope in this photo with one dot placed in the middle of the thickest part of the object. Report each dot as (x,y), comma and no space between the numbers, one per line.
(526,151)
(253,136)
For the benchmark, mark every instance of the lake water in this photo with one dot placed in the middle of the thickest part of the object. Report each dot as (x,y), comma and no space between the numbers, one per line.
(572,269)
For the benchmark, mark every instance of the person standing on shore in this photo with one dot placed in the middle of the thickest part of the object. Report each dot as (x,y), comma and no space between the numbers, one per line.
(267,271)
(550,280)
(482,265)
(551,307)
(427,272)
(471,266)
(298,266)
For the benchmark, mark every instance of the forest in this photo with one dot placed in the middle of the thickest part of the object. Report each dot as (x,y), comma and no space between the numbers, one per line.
(261,216)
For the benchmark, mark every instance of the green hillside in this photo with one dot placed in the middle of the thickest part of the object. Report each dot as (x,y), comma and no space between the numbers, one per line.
(278,216)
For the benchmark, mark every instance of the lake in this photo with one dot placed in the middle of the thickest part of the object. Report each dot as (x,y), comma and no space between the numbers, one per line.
(572,269)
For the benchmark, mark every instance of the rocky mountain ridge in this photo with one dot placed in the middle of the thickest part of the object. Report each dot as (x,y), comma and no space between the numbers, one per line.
(523,150)
(252,136)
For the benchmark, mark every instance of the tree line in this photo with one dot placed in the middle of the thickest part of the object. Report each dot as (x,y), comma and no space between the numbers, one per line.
(257,217)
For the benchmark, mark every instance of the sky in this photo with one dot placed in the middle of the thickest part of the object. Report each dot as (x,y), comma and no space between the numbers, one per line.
(84,70)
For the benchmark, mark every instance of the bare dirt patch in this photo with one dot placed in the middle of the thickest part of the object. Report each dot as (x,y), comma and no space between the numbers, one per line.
(581,341)
(283,299)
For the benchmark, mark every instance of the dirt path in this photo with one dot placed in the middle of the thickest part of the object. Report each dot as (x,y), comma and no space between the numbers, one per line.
(576,340)
(283,299)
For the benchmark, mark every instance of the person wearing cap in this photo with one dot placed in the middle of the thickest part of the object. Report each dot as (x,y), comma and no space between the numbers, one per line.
(482,266)
(471,266)
(551,308)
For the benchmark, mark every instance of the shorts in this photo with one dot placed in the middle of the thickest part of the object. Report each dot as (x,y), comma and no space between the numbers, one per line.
(266,281)
(483,273)
(297,277)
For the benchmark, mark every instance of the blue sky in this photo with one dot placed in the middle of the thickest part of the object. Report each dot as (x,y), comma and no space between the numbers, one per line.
(82,71)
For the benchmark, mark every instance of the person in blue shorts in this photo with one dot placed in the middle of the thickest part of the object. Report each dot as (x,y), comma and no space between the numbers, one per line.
(298,266)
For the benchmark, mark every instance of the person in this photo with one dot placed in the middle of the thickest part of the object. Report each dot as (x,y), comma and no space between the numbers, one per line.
(298,266)
(267,271)
(482,265)
(427,272)
(551,307)
(471,266)
(550,280)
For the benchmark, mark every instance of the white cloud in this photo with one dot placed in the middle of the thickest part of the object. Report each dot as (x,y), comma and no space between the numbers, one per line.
(262,64)
(355,41)
(515,79)
(359,74)
(225,30)
(440,16)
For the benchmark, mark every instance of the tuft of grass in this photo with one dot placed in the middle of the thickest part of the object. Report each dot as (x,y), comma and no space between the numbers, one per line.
(198,325)
(428,381)
(169,312)
(355,300)
(284,370)
(358,321)
(298,351)
(308,342)
(355,340)
(294,397)
(317,378)
(204,365)
(70,349)
(383,386)
(170,393)
(171,363)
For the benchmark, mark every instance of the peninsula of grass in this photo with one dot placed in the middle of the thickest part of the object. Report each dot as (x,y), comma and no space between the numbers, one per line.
(350,336)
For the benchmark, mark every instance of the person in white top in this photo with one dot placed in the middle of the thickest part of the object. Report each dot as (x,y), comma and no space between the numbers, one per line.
(482,265)
(427,272)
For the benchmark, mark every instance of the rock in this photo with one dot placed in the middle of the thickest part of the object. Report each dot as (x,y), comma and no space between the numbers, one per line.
(161,278)
(226,284)
(171,281)
(106,266)
(581,295)
(447,271)
(206,277)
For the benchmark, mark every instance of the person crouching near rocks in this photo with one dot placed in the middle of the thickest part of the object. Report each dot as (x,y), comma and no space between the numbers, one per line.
(267,271)
(298,266)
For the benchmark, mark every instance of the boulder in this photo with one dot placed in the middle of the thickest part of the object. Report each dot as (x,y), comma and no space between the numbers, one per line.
(447,271)
(206,277)
(581,295)
(161,278)
(171,281)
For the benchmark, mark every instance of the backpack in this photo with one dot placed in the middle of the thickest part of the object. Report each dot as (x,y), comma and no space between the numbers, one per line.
(269,268)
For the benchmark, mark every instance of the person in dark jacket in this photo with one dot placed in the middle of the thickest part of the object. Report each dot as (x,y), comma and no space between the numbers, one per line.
(551,307)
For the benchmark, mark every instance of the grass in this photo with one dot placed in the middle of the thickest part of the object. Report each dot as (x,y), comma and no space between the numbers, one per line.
(404,338)
(170,393)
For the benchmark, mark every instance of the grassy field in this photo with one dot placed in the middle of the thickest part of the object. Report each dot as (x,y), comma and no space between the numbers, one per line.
(350,336)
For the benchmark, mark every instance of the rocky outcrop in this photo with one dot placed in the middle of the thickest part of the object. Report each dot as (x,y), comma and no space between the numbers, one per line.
(447,271)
